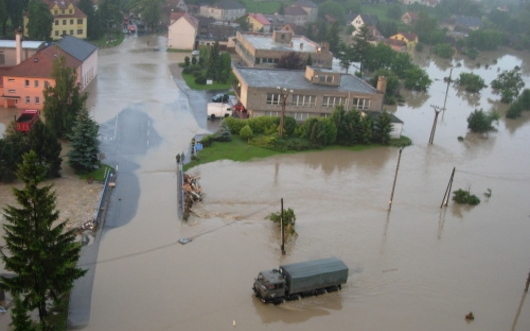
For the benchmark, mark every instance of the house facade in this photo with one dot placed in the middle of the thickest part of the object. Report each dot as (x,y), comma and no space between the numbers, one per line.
(363,20)
(409,18)
(309,93)
(182,31)
(68,19)
(410,39)
(24,84)
(264,51)
(85,52)
(259,23)
(310,8)
(296,15)
(226,10)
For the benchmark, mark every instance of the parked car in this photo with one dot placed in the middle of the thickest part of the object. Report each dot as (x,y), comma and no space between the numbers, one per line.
(221,97)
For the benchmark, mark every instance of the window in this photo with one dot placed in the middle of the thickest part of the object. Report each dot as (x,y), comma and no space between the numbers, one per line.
(79,21)
(57,33)
(300,100)
(28,99)
(64,22)
(71,11)
(56,22)
(64,32)
(37,100)
(273,98)
(36,83)
(10,79)
(361,104)
(46,84)
(12,91)
(71,21)
(328,101)
(26,82)
(2,57)
(55,12)
(79,32)
(329,79)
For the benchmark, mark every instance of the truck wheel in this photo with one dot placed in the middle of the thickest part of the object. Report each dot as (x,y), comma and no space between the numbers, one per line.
(278,301)
(212,117)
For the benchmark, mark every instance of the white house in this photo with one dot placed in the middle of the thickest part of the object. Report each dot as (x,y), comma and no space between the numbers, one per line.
(182,31)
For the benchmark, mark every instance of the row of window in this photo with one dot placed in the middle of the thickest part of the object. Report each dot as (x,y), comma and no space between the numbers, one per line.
(266,60)
(27,83)
(301,100)
(79,32)
(56,11)
(299,116)
(79,21)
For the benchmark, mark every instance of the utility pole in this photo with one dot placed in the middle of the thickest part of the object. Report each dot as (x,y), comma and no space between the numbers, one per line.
(437,111)
(447,194)
(395,179)
(283,93)
(449,80)
(283,229)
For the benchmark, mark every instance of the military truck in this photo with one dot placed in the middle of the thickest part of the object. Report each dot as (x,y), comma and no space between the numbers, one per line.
(297,280)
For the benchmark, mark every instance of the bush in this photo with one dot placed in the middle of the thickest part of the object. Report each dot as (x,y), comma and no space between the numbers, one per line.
(465,197)
(246,132)
(481,122)
(206,141)
(201,80)
(235,124)
(223,133)
(445,51)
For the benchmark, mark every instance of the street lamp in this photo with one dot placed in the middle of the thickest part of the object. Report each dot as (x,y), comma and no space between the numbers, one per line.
(283,93)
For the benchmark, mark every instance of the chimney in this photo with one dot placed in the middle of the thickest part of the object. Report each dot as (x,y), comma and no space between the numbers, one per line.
(18,46)
(381,84)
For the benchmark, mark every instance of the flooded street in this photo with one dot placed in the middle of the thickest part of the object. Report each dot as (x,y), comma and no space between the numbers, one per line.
(415,268)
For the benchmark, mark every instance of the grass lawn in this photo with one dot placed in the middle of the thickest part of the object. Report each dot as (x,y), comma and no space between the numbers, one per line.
(264,7)
(190,80)
(115,38)
(239,150)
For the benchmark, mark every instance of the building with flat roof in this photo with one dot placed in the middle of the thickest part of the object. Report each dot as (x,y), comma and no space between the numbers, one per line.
(264,51)
(310,92)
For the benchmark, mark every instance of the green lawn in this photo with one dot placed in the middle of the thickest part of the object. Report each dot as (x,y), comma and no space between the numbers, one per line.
(264,7)
(239,150)
(190,80)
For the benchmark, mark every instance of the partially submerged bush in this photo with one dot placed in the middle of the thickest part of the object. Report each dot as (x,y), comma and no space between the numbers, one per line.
(465,197)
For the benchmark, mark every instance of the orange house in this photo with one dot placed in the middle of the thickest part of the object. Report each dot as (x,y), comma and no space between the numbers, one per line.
(22,86)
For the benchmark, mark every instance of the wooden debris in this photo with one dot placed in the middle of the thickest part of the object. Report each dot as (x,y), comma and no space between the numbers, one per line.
(192,193)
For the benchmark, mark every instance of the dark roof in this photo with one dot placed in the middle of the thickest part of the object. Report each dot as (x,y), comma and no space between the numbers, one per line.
(369,19)
(467,21)
(295,10)
(295,80)
(375,115)
(229,4)
(76,47)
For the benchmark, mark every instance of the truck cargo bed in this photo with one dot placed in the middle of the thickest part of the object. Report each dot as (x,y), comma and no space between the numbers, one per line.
(317,274)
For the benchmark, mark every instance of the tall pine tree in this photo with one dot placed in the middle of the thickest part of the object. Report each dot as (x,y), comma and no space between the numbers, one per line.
(83,156)
(41,253)
(44,142)
(63,101)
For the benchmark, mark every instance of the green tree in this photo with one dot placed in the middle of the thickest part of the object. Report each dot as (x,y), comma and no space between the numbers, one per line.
(63,101)
(42,254)
(20,319)
(289,219)
(509,83)
(320,131)
(4,16)
(394,12)
(83,157)
(225,65)
(444,50)
(361,46)
(15,10)
(94,30)
(43,141)
(12,147)
(484,39)
(40,20)
(380,56)
(472,83)
(213,69)
(416,79)
(401,63)
(333,9)
(334,38)
(291,60)
(339,118)
(382,128)
(481,122)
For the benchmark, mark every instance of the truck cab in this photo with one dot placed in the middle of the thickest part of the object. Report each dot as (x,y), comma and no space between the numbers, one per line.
(269,285)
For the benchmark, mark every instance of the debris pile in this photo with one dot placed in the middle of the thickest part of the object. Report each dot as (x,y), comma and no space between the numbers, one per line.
(192,193)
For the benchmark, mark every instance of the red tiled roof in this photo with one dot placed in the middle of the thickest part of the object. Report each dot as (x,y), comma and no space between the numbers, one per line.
(63,4)
(40,65)
(260,18)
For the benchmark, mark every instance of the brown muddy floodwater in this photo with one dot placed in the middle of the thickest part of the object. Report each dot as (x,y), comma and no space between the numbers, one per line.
(415,268)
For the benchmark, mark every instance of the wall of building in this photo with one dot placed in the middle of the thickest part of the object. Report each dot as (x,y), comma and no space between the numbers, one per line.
(181,35)
(25,93)
(89,70)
